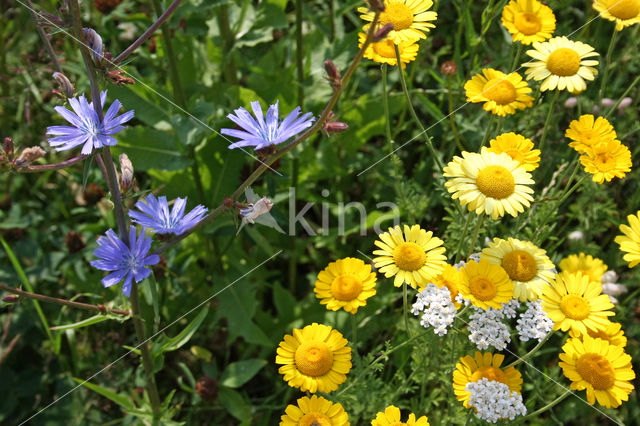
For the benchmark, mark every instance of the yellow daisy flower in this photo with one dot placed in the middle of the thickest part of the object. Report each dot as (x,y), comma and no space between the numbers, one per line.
(346,283)
(518,148)
(588,131)
(314,411)
(415,258)
(410,19)
(391,417)
(489,183)
(528,21)
(527,266)
(315,359)
(574,302)
(623,12)
(612,334)
(587,264)
(630,241)
(602,369)
(486,285)
(607,160)
(562,64)
(485,365)
(502,94)
(450,278)
(384,51)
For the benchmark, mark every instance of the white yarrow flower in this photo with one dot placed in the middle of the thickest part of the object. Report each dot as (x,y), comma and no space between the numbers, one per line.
(435,308)
(494,401)
(534,322)
(487,329)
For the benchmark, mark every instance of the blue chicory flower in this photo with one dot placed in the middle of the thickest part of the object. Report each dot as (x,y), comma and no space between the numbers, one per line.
(261,133)
(86,128)
(126,262)
(154,214)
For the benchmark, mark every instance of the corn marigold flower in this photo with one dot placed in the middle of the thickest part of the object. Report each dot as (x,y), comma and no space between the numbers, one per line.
(607,160)
(314,411)
(314,359)
(574,302)
(629,242)
(501,93)
(415,257)
(518,148)
(562,64)
(489,183)
(345,284)
(528,267)
(584,263)
(613,333)
(588,131)
(154,215)
(602,369)
(528,21)
(391,417)
(410,19)
(485,284)
(87,129)
(126,262)
(623,12)
(384,52)
(483,365)
(450,278)
(494,401)
(262,132)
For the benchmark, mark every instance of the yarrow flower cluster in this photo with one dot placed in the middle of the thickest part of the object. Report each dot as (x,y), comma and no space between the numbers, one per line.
(494,401)
(487,329)
(154,214)
(86,127)
(435,308)
(262,132)
(534,322)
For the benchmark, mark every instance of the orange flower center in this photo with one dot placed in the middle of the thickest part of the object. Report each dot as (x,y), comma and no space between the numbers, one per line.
(500,91)
(314,419)
(490,373)
(409,256)
(575,307)
(597,370)
(453,288)
(314,358)
(482,288)
(385,48)
(398,14)
(527,23)
(520,265)
(624,9)
(563,62)
(496,182)
(346,287)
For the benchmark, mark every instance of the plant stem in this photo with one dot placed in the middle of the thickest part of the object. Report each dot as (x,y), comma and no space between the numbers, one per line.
(624,95)
(228,62)
(144,349)
(487,133)
(354,336)
(49,167)
(607,62)
(405,308)
(531,352)
(546,407)
(475,234)
(545,130)
(316,127)
(423,131)
(558,203)
(463,236)
(45,39)
(452,120)
(516,58)
(299,53)
(98,308)
(148,33)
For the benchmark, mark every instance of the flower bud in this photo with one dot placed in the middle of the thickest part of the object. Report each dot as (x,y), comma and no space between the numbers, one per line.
(73,241)
(624,103)
(207,388)
(449,68)
(335,127)
(381,33)
(65,85)
(94,41)
(29,155)
(571,102)
(332,71)
(10,298)
(7,146)
(253,211)
(126,172)
(607,102)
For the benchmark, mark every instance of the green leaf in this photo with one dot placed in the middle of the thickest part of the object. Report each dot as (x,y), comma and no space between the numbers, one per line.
(146,111)
(122,400)
(25,282)
(285,303)
(174,343)
(85,171)
(151,149)
(238,373)
(234,403)
(201,353)
(237,305)
(84,323)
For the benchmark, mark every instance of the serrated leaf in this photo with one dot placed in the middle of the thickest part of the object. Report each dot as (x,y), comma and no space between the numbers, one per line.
(238,373)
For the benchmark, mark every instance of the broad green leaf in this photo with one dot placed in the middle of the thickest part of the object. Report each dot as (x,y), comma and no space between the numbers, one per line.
(238,373)
(151,149)
(173,343)
(234,403)
(122,400)
(238,305)
(285,303)
(146,111)
(84,323)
